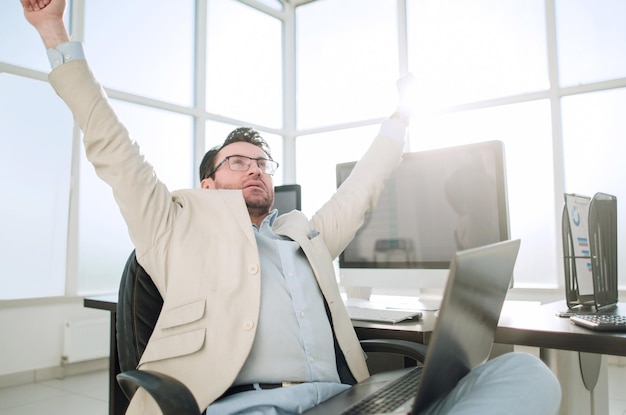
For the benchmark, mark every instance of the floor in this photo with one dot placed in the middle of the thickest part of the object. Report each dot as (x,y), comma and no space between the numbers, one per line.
(617,382)
(86,394)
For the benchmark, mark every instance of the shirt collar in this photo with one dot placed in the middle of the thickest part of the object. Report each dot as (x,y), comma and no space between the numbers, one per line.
(269,219)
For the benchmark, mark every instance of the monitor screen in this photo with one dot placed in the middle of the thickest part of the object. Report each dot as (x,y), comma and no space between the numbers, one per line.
(435,203)
(287,198)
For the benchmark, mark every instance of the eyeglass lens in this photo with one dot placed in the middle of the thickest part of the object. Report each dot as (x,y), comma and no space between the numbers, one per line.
(243,163)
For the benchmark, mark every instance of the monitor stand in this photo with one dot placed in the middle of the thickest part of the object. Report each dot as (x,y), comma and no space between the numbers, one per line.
(358,293)
(583,309)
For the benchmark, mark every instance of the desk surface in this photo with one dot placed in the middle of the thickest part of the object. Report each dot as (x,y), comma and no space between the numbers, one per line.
(536,326)
(532,325)
(541,327)
(102,302)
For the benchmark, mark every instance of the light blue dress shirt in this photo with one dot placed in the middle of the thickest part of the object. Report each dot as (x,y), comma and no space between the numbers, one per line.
(294,340)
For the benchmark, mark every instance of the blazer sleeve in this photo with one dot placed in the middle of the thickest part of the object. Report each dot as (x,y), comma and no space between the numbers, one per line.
(145,202)
(341,217)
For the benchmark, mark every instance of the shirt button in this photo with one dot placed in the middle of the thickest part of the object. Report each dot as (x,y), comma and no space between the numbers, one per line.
(248,325)
(301,313)
(253,269)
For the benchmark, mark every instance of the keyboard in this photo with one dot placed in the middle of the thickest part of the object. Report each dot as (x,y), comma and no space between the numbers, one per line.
(390,397)
(383,315)
(600,322)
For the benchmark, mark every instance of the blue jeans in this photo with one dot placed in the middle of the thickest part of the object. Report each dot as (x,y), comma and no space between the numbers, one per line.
(514,383)
(281,401)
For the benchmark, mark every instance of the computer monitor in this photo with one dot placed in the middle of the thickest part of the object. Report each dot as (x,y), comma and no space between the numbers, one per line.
(435,203)
(287,198)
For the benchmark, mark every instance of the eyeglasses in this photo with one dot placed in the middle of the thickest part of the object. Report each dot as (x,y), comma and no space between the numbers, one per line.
(243,163)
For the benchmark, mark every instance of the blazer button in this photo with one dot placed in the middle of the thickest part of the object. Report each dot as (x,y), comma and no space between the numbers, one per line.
(248,325)
(253,269)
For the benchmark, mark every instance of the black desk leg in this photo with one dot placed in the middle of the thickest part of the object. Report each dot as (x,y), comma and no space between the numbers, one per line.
(117,400)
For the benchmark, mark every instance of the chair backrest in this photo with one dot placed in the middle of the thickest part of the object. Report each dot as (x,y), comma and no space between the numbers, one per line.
(138,308)
(287,197)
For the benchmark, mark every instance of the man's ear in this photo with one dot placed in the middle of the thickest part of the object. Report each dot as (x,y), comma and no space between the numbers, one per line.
(207,183)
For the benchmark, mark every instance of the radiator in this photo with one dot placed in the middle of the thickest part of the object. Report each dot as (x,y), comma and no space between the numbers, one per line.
(85,340)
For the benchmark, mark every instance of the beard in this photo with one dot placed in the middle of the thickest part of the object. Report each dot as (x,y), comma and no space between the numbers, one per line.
(258,209)
(259,204)
(259,199)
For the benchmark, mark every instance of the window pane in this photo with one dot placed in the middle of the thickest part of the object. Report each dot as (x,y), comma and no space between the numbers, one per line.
(217,133)
(276,145)
(466,51)
(244,71)
(35,164)
(166,140)
(104,244)
(315,164)
(525,130)
(347,60)
(591,40)
(594,129)
(143,50)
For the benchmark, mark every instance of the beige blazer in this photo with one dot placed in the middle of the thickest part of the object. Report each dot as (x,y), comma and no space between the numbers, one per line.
(198,245)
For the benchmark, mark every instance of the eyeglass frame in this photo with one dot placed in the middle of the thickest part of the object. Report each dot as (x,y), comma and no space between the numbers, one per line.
(270,162)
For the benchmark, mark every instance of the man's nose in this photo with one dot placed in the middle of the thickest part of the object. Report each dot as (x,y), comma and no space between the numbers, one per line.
(254,168)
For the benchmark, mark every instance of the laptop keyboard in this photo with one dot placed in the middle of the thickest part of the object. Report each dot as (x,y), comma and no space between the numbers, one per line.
(390,396)
(600,322)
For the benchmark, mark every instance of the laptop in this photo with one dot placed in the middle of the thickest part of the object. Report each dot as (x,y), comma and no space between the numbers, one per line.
(462,339)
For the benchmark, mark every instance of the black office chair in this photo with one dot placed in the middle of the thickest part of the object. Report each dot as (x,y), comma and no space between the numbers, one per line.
(138,308)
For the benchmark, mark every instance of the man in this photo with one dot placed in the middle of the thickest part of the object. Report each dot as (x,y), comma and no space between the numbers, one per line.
(252,320)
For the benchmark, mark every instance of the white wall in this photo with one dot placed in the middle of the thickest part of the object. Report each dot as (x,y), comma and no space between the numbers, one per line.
(32,332)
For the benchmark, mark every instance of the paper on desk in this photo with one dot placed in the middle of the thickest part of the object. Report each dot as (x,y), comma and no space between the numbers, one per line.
(578,213)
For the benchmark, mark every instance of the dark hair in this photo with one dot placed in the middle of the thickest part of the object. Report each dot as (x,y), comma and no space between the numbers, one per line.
(245,134)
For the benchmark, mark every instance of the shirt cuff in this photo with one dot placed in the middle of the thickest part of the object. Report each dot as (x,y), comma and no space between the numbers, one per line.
(393,128)
(65,52)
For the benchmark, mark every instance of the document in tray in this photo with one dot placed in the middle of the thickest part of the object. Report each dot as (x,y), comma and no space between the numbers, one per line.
(578,214)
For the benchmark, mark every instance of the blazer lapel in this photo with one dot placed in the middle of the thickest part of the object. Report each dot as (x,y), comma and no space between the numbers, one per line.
(236,205)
